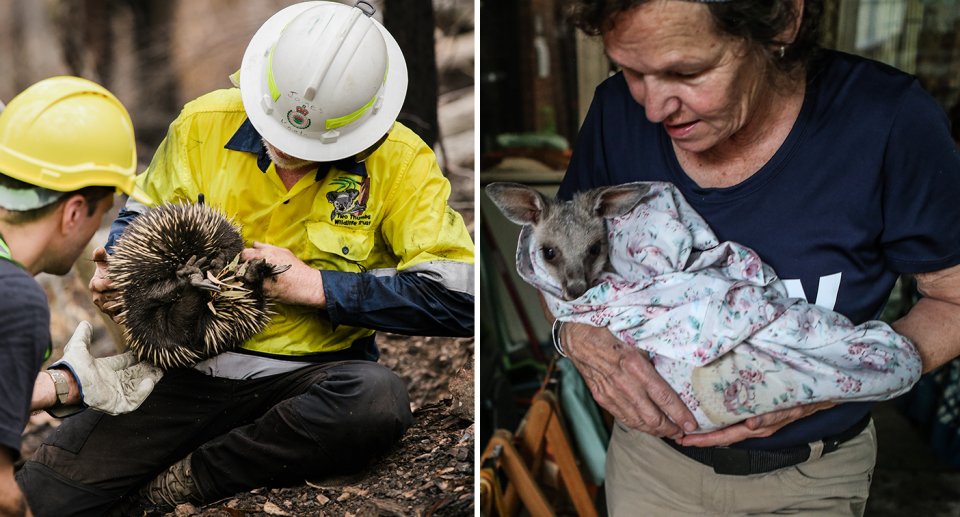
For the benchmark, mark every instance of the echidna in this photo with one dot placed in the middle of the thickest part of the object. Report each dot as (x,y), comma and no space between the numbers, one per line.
(184,294)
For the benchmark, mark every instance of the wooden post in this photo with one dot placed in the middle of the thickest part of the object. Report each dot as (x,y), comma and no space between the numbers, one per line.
(519,474)
(540,427)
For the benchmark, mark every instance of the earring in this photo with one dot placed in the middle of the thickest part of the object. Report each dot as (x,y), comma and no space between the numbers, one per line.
(783,50)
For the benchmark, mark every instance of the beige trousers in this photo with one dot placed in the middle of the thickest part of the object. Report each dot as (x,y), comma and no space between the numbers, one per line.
(647,477)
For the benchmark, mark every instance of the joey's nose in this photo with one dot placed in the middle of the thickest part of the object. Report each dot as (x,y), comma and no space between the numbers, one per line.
(574,289)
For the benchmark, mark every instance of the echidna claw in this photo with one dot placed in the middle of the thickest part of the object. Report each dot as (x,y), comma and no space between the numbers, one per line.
(276,270)
(206,286)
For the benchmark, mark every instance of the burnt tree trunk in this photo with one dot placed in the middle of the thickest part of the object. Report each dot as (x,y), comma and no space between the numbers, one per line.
(86,38)
(156,79)
(411,24)
(72,43)
(99,36)
(21,63)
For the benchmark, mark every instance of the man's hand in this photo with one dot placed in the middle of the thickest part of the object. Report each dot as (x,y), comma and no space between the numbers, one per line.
(754,427)
(625,383)
(104,293)
(299,285)
(113,385)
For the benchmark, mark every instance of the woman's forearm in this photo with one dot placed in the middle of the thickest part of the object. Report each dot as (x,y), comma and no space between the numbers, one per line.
(934,328)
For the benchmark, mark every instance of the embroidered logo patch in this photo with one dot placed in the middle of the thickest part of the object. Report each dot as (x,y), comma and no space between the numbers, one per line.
(349,201)
(298,117)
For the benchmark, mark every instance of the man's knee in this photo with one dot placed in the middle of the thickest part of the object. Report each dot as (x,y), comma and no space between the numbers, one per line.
(359,409)
(383,400)
(49,493)
(55,481)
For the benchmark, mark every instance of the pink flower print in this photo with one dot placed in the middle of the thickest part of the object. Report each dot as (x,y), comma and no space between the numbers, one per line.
(751,376)
(700,355)
(758,324)
(686,395)
(653,253)
(653,310)
(849,384)
(736,396)
(772,311)
(858,348)
(732,296)
(678,335)
(751,266)
(838,320)
(878,361)
(806,323)
(600,317)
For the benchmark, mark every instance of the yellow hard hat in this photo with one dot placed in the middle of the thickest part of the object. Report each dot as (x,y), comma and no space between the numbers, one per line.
(67,133)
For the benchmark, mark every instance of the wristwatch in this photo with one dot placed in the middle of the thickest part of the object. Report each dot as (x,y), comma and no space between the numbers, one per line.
(63,389)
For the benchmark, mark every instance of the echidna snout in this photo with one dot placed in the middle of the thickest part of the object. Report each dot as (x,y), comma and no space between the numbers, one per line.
(184,293)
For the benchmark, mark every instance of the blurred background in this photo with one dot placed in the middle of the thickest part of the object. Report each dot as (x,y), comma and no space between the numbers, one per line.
(537,77)
(157,55)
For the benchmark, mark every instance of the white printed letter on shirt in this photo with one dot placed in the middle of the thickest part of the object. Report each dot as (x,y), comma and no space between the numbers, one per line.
(826,291)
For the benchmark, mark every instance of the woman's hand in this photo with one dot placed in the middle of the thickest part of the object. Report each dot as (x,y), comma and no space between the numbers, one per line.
(754,427)
(102,287)
(299,285)
(624,382)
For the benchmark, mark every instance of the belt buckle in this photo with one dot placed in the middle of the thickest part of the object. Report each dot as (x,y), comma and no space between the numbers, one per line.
(732,462)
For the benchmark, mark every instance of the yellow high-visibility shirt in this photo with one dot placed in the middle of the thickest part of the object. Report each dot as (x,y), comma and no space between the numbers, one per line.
(386,216)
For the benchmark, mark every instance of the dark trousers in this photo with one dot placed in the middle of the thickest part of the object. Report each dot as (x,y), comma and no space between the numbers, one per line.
(274,431)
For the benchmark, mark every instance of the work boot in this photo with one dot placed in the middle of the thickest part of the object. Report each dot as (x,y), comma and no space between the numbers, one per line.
(172,488)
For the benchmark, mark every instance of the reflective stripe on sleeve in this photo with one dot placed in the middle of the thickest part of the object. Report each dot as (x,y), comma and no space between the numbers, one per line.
(455,276)
(135,206)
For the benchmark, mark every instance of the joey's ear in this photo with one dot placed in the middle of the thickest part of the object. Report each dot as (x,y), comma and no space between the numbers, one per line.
(619,199)
(520,203)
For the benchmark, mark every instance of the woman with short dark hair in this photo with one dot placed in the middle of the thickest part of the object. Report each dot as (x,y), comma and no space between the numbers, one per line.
(839,171)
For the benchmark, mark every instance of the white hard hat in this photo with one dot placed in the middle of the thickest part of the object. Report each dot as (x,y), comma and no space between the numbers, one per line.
(323,81)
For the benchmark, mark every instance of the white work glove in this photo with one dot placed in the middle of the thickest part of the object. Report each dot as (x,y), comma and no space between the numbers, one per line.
(113,385)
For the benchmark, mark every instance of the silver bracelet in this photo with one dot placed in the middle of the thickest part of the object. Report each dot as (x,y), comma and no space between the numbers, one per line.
(557,329)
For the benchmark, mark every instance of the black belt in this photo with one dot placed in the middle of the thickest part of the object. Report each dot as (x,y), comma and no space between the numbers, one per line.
(743,462)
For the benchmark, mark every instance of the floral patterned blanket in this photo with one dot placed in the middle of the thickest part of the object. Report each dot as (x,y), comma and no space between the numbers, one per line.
(717,322)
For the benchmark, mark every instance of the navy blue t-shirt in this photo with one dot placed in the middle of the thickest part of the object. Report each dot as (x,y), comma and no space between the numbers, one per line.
(864,188)
(24,337)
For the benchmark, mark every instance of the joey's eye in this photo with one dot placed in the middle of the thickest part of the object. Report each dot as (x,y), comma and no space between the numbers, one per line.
(548,253)
(595,249)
